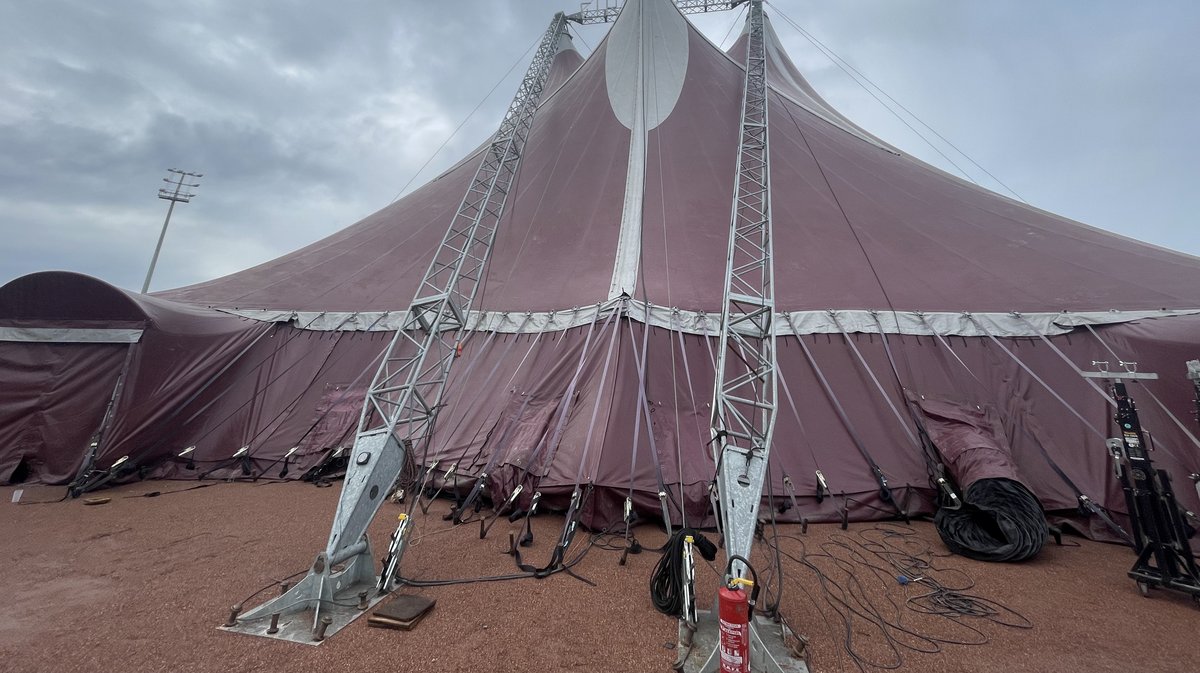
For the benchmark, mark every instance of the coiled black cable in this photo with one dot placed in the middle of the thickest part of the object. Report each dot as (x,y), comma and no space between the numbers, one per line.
(666,584)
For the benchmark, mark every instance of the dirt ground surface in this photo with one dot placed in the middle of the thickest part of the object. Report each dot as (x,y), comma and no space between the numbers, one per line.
(141,583)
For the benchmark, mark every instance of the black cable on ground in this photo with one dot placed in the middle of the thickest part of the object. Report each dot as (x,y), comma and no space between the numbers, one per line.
(593,541)
(857,578)
(274,583)
(1000,520)
(667,581)
(155,494)
(466,580)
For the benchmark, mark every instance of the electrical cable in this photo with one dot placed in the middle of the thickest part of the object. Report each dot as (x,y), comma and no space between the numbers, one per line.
(667,580)
(853,570)
(737,18)
(274,583)
(843,65)
(463,123)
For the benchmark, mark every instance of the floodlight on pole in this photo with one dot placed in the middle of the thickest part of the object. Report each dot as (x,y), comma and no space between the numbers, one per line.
(175,194)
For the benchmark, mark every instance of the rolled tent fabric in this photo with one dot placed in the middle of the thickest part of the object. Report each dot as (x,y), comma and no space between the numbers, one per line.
(998,518)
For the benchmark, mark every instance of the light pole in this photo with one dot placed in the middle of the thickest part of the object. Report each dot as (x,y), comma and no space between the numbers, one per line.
(175,195)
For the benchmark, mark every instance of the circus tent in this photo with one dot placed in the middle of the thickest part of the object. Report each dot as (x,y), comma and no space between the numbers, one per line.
(909,303)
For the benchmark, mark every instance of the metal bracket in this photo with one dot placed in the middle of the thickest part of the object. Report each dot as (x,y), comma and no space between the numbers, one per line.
(346,568)
(666,512)
(1128,372)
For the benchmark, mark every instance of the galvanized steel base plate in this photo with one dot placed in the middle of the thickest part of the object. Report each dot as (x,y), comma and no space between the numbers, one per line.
(299,627)
(768,651)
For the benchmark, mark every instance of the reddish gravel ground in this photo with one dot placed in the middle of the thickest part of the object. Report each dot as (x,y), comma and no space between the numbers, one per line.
(139,584)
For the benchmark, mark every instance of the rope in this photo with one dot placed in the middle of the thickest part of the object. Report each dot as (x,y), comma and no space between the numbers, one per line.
(787,392)
(885,492)
(874,379)
(578,499)
(737,18)
(687,372)
(569,397)
(843,65)
(191,398)
(678,434)
(463,123)
(933,457)
(563,413)
(556,559)
(289,407)
(1091,428)
(644,409)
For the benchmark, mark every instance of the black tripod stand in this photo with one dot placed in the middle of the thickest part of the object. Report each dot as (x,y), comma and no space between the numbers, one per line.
(1160,535)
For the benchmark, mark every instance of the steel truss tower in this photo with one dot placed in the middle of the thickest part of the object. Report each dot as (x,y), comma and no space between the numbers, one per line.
(743,411)
(403,400)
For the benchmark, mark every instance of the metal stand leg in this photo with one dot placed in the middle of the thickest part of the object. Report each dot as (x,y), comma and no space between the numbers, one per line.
(346,567)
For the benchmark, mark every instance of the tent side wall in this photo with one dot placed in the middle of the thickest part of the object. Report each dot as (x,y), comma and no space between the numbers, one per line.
(52,402)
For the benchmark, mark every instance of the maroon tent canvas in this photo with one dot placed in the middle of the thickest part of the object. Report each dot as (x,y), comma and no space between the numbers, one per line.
(987,304)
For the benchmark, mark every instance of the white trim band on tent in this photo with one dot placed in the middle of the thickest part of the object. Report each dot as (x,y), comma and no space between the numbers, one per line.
(70,335)
(700,322)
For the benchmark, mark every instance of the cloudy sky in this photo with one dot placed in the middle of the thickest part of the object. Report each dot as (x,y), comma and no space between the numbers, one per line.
(306,116)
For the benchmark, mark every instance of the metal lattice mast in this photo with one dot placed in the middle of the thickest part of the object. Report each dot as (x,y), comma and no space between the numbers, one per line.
(403,400)
(608,13)
(743,419)
(407,389)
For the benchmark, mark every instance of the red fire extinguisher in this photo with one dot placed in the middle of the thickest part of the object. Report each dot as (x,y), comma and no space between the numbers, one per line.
(734,608)
(734,623)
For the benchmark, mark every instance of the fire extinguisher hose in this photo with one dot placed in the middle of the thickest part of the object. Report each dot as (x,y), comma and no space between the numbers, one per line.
(753,578)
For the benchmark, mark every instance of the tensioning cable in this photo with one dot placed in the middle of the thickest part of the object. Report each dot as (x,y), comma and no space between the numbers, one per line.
(549,442)
(885,491)
(579,495)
